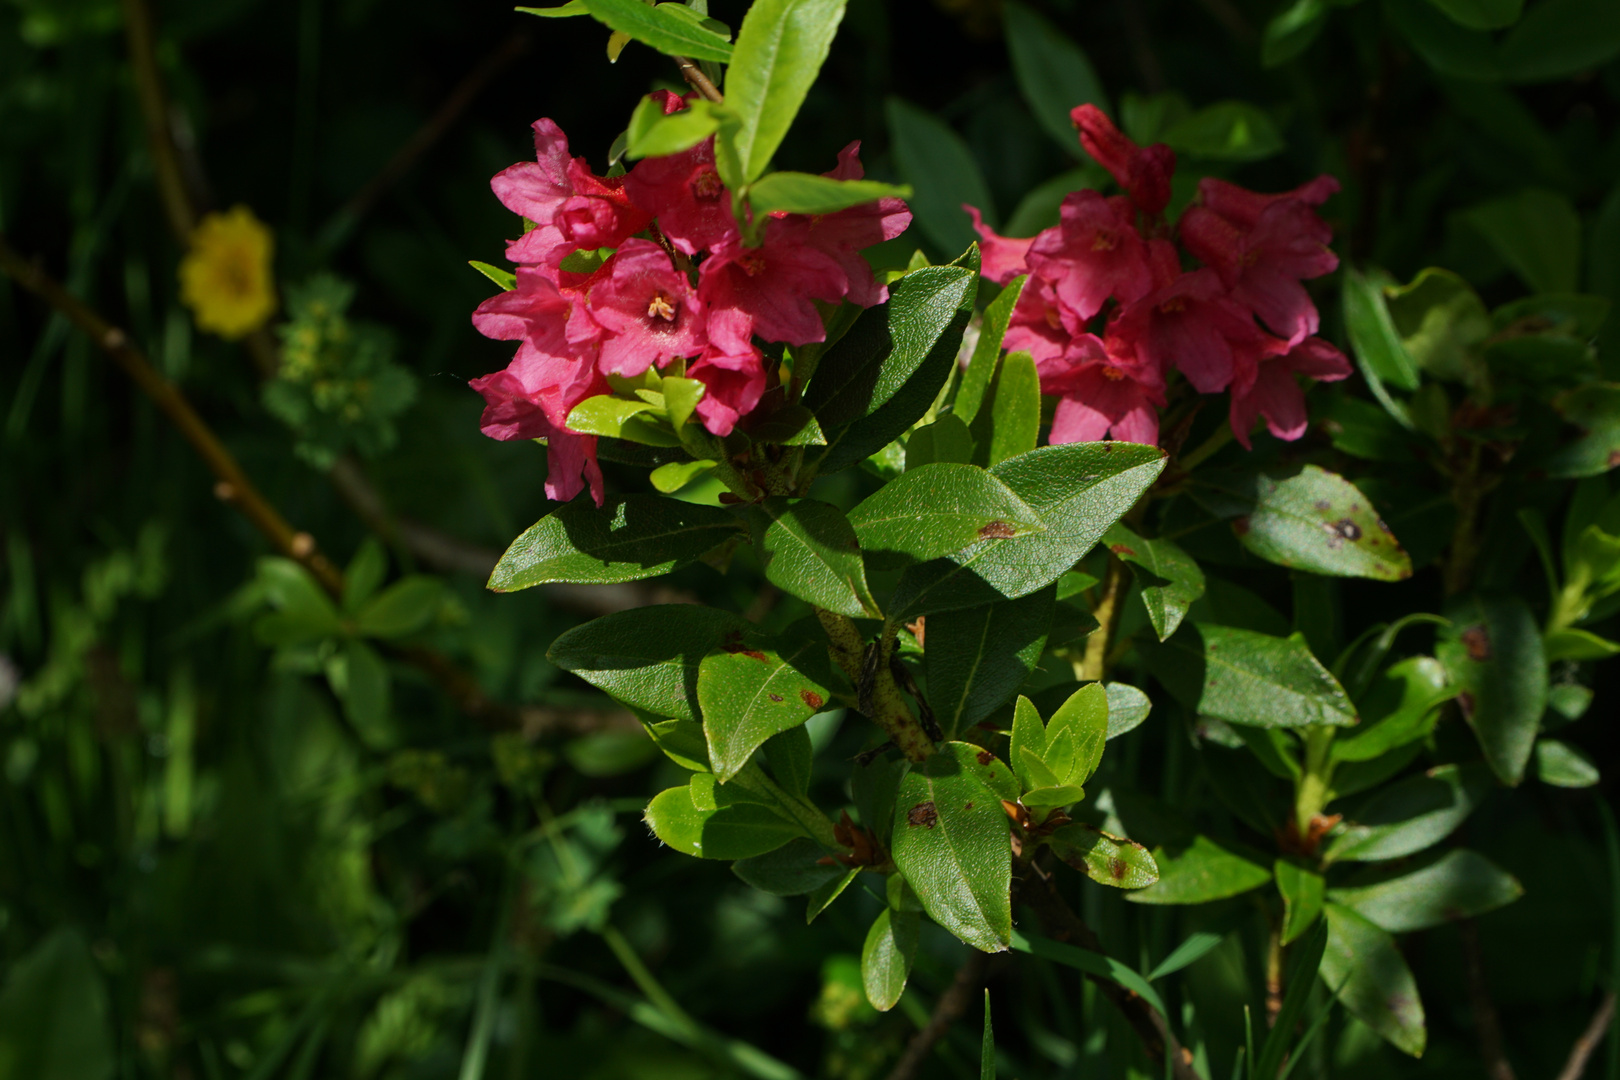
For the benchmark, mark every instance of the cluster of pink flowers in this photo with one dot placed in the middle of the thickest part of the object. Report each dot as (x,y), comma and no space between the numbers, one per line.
(1108,310)
(681,283)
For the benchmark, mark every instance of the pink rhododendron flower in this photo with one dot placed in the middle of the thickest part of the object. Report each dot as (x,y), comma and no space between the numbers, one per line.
(570,206)
(683,191)
(519,402)
(1093,255)
(732,386)
(1102,392)
(1190,325)
(1039,324)
(1001,258)
(1144,172)
(845,233)
(1274,393)
(774,284)
(648,309)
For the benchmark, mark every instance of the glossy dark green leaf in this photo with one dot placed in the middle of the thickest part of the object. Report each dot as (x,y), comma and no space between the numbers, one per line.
(716,822)
(780,48)
(1493,653)
(806,193)
(891,945)
(1445,46)
(1402,705)
(1015,411)
(1315,521)
(629,538)
(668,33)
(947,439)
(1079,490)
(1171,581)
(1226,131)
(986,358)
(1560,38)
(942,173)
(794,869)
(1563,765)
(1537,233)
(938,510)
(1366,970)
(823,896)
(748,694)
(1105,859)
(1054,73)
(1201,871)
(648,657)
(1433,889)
(1247,678)
(403,608)
(810,550)
(681,741)
(1482,14)
(1595,411)
(791,759)
(951,841)
(1302,891)
(54,1016)
(1411,815)
(978,657)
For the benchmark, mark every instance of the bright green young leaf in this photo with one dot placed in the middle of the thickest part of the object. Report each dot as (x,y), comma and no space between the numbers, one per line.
(806,193)
(54,1015)
(403,608)
(736,830)
(1247,678)
(795,869)
(810,550)
(1302,892)
(1105,859)
(629,538)
(886,958)
(1079,490)
(1563,765)
(952,843)
(1410,815)
(1433,889)
(663,30)
(653,134)
(1364,967)
(1493,653)
(1560,38)
(938,510)
(1015,411)
(1537,233)
(1052,795)
(504,278)
(681,741)
(780,49)
(1482,14)
(619,418)
(1226,131)
(1127,708)
(1291,31)
(1572,643)
(673,476)
(1053,72)
(648,657)
(978,657)
(563,11)
(986,358)
(942,173)
(1316,521)
(1199,872)
(1075,735)
(1374,340)
(748,695)
(1171,581)
(1400,706)
(1027,748)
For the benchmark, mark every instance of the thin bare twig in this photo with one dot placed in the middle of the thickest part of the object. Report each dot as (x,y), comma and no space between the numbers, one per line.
(1486,1025)
(1589,1040)
(178,204)
(950,1007)
(698,81)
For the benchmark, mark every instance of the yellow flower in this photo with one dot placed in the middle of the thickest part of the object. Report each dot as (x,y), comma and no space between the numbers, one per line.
(225,278)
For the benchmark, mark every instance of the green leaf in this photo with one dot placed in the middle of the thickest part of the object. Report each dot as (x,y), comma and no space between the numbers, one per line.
(1027,747)
(1571,643)
(1376,343)
(364,574)
(951,841)
(806,193)
(1430,891)
(1189,952)
(938,510)
(1595,409)
(403,608)
(1127,708)
(1537,233)
(1105,859)
(780,49)
(749,694)
(54,1015)
(1441,321)
(1493,653)
(1076,734)
(810,550)
(986,358)
(987,1046)
(648,657)
(1226,131)
(1016,410)
(1201,871)
(1079,490)
(794,869)
(886,958)
(1291,31)
(942,173)
(1445,46)
(1400,706)
(886,370)
(1563,765)
(1171,581)
(653,134)
(681,741)
(791,758)
(947,439)
(681,397)
(504,278)
(1560,38)
(571,8)
(360,679)
(1302,892)
(665,31)
(303,611)
(671,477)
(1410,815)
(1244,677)
(985,767)
(715,822)
(620,418)
(1303,967)
(1366,971)
(1314,520)
(1482,14)
(1092,963)
(823,897)
(629,538)
(978,657)
(1053,73)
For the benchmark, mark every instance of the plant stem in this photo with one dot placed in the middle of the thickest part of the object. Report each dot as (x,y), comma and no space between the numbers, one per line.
(698,81)
(1110,606)
(645,982)
(1312,792)
(1468,492)
(879,696)
(177,203)
(1486,1025)
(1204,450)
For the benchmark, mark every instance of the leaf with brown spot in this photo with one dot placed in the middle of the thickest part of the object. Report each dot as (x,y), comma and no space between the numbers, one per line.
(748,695)
(1105,859)
(936,510)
